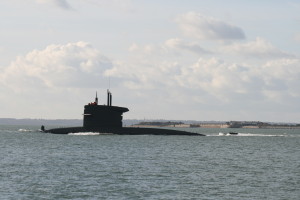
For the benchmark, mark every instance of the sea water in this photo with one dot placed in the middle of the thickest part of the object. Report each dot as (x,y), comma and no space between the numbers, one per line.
(255,164)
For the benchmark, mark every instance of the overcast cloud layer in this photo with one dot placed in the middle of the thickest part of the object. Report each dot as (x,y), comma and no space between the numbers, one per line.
(191,64)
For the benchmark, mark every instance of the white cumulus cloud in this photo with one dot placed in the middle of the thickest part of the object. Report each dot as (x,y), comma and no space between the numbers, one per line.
(70,65)
(226,81)
(213,82)
(205,85)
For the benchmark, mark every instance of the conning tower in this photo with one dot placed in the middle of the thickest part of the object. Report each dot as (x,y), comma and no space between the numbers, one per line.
(103,116)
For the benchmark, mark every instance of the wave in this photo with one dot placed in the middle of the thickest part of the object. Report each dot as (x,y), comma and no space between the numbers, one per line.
(260,135)
(249,135)
(25,130)
(89,133)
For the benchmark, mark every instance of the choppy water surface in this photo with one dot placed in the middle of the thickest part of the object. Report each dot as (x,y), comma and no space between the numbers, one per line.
(256,164)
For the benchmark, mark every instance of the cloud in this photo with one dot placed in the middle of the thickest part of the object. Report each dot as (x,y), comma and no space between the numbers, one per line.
(170,48)
(259,48)
(222,81)
(207,85)
(133,47)
(281,77)
(176,43)
(212,81)
(60,3)
(297,37)
(226,81)
(73,65)
(210,88)
(207,28)
(120,5)
(44,83)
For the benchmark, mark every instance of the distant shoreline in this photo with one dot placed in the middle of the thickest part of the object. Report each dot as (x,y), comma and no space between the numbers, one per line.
(218,126)
(215,126)
(156,123)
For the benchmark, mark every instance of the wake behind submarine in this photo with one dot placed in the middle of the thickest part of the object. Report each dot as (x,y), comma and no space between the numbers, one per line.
(108,119)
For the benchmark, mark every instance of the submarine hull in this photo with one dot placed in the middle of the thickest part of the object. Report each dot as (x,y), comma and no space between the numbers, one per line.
(108,119)
(122,131)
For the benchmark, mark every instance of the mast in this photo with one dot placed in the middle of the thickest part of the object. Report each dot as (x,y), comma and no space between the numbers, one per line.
(109,98)
(96,99)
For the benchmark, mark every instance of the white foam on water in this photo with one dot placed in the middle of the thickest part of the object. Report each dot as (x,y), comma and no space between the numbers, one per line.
(249,135)
(224,134)
(89,133)
(24,130)
(84,133)
(259,135)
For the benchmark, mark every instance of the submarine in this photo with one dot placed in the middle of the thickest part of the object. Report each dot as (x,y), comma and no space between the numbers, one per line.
(107,119)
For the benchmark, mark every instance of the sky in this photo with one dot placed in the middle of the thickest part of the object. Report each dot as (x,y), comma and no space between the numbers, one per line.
(234,60)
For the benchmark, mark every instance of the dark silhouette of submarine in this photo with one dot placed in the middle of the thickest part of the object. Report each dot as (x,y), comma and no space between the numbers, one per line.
(108,119)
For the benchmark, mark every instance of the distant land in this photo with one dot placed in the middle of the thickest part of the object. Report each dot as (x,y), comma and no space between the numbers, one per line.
(218,124)
(79,122)
(153,123)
